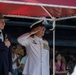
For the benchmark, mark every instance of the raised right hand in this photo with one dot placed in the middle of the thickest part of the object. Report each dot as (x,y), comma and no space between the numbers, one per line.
(35,30)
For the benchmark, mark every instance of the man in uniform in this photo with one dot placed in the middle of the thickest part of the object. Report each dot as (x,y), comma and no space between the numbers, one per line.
(37,48)
(5,51)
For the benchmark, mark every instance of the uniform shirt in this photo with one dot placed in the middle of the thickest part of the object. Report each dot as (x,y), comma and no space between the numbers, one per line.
(37,62)
(1,35)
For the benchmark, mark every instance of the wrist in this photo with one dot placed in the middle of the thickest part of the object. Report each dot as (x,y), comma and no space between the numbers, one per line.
(30,33)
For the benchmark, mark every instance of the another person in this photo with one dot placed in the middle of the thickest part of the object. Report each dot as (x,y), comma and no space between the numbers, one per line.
(71,64)
(14,61)
(19,50)
(37,48)
(5,50)
(23,61)
(59,64)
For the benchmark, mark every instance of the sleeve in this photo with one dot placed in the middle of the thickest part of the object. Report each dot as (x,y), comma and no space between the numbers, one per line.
(10,56)
(2,46)
(10,59)
(24,39)
(22,61)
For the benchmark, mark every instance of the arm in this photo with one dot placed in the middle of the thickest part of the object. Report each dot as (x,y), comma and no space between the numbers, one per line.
(23,40)
(10,60)
(2,46)
(8,44)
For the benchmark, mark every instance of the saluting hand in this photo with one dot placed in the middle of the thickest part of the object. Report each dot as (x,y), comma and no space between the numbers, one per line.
(7,43)
(35,30)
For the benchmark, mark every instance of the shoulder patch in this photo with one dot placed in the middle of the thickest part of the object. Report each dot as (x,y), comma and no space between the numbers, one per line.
(45,40)
(31,36)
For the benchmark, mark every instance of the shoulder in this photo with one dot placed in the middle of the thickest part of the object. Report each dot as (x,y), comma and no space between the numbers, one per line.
(31,37)
(45,41)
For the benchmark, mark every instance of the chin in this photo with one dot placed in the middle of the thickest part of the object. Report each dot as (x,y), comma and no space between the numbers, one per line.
(2,28)
(43,35)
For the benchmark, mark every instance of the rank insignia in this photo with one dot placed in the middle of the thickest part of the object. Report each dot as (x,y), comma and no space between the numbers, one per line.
(34,42)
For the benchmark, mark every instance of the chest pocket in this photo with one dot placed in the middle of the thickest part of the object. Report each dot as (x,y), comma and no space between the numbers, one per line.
(45,46)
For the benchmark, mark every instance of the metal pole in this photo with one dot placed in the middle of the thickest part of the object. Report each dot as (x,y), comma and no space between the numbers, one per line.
(28,17)
(54,47)
(47,11)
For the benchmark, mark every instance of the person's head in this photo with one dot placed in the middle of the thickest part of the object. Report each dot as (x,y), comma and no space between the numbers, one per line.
(2,21)
(58,57)
(72,58)
(19,46)
(13,48)
(39,25)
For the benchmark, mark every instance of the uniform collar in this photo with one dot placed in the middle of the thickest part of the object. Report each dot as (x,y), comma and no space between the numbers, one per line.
(37,37)
(0,30)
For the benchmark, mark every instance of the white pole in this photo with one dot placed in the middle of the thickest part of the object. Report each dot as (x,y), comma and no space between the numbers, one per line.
(47,11)
(54,47)
(28,17)
(67,17)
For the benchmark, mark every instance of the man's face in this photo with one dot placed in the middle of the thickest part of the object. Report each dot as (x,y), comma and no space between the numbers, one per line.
(2,24)
(41,31)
